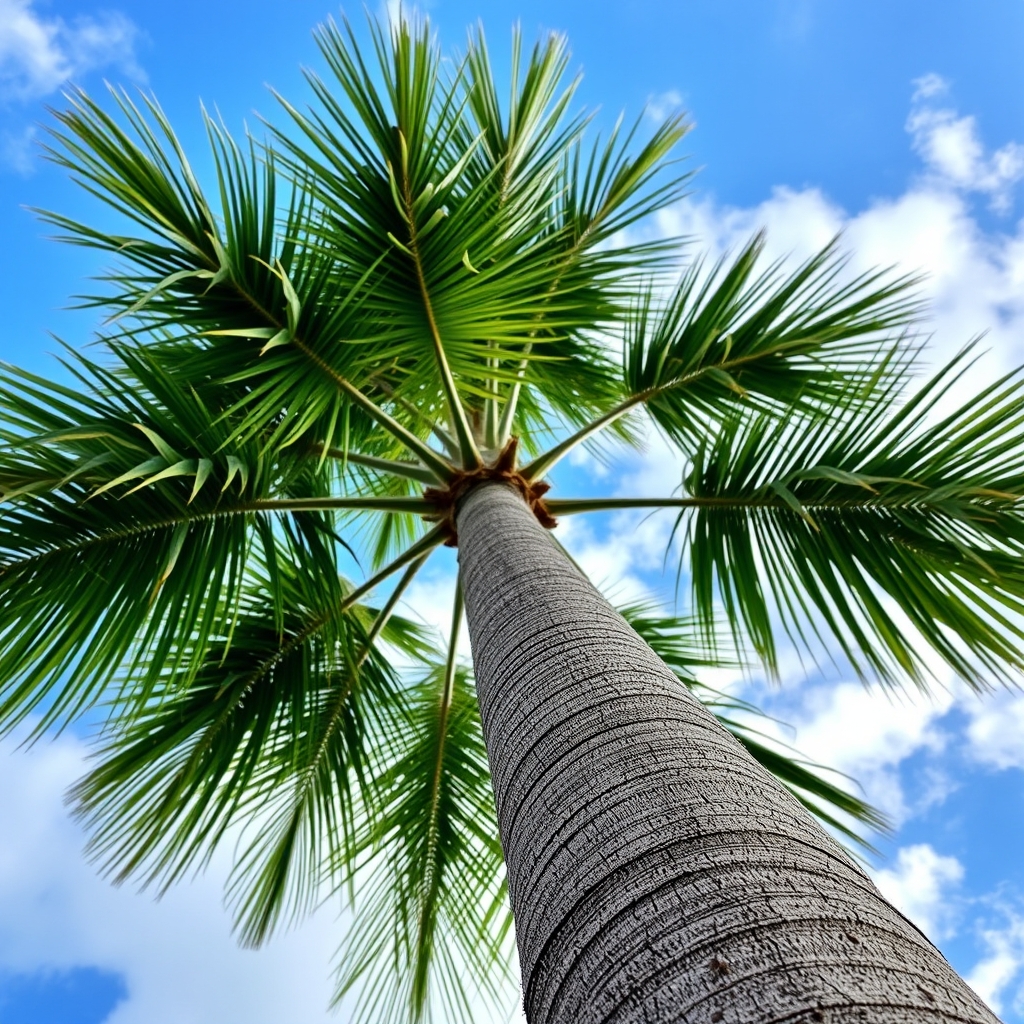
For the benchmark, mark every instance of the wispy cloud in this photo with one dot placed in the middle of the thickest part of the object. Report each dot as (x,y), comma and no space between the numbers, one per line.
(919,884)
(662,105)
(995,730)
(1003,961)
(38,54)
(929,86)
(952,150)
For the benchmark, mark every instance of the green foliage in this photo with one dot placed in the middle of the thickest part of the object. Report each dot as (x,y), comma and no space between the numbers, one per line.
(431,919)
(874,527)
(270,727)
(124,521)
(732,335)
(356,314)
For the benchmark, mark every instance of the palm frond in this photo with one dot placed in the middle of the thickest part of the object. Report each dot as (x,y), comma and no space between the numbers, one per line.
(431,917)
(268,735)
(739,335)
(124,525)
(479,261)
(255,304)
(877,527)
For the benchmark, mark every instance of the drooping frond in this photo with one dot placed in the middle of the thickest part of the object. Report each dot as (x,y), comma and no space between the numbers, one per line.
(431,917)
(295,851)
(266,739)
(874,528)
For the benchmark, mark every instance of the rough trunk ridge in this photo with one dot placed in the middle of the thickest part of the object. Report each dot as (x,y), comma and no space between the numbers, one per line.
(657,873)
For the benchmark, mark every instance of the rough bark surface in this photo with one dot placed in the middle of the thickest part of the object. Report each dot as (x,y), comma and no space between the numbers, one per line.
(657,873)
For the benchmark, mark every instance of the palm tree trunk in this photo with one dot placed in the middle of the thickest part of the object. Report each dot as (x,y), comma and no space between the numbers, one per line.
(657,873)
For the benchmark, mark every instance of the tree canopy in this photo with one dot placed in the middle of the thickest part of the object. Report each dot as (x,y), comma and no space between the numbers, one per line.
(411,286)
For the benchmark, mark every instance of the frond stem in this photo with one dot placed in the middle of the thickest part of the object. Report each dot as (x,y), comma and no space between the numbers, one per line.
(491,407)
(398,505)
(508,414)
(408,470)
(342,694)
(447,693)
(442,468)
(414,553)
(572,506)
(543,463)
(468,451)
(436,429)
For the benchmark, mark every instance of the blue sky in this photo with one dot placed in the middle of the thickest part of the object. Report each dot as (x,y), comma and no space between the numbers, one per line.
(901,124)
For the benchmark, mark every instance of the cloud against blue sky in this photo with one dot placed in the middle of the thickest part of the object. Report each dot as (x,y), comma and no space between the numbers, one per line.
(40,52)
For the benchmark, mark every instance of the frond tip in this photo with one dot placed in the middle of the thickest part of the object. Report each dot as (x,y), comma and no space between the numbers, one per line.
(431,918)
(740,334)
(870,529)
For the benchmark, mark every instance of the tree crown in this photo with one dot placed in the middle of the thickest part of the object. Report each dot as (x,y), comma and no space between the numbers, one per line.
(384,303)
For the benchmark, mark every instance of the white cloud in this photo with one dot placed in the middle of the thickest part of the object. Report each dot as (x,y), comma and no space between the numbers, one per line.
(1002,963)
(39,54)
(929,86)
(868,734)
(662,105)
(995,729)
(430,600)
(612,560)
(952,149)
(973,279)
(179,960)
(919,885)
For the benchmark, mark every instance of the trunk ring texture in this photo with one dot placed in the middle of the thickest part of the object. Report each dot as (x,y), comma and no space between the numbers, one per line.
(657,873)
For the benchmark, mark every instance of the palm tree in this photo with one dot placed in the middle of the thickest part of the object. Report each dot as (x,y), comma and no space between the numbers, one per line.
(379,337)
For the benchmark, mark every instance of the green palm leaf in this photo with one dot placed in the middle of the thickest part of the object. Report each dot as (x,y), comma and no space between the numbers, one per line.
(121,514)
(834,524)
(431,917)
(737,332)
(480,267)
(268,736)
(250,305)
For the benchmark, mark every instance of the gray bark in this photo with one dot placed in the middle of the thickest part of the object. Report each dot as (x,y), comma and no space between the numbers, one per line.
(657,873)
